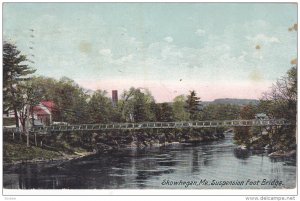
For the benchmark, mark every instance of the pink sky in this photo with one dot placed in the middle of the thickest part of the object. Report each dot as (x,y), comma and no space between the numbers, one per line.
(165,91)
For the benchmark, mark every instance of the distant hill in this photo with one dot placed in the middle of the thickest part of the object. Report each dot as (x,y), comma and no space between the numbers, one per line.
(232,101)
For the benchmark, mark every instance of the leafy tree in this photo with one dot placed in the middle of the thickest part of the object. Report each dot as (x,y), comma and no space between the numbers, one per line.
(150,101)
(126,104)
(220,112)
(46,87)
(15,73)
(70,101)
(242,135)
(281,102)
(179,105)
(248,112)
(164,112)
(137,106)
(193,105)
(100,108)
(30,98)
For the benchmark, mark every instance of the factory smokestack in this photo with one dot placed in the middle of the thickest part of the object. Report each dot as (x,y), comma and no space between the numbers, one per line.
(114,98)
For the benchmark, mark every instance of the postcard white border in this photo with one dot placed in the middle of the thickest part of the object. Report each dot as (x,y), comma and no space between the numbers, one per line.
(208,194)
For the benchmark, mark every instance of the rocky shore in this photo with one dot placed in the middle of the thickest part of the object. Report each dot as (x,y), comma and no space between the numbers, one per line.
(281,153)
(242,151)
(139,140)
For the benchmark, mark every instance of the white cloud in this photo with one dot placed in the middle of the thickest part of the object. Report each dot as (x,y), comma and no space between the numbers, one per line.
(258,24)
(215,61)
(105,52)
(123,60)
(200,32)
(262,38)
(168,39)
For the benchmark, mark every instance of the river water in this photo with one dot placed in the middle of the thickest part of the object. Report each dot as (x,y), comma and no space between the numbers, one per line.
(210,165)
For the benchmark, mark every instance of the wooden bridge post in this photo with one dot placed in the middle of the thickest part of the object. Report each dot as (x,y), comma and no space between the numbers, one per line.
(131,134)
(35,141)
(20,136)
(27,138)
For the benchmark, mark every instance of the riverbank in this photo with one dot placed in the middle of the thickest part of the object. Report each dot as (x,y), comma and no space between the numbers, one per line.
(73,146)
(17,153)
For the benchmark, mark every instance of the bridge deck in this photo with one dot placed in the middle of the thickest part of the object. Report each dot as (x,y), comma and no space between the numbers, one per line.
(154,125)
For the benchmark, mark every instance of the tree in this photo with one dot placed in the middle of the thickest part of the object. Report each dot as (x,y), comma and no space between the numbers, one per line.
(125,104)
(150,101)
(100,108)
(242,135)
(46,86)
(30,98)
(164,112)
(248,112)
(137,106)
(70,101)
(220,112)
(15,74)
(193,105)
(281,102)
(179,105)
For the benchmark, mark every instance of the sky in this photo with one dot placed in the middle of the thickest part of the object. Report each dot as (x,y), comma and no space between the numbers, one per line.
(220,50)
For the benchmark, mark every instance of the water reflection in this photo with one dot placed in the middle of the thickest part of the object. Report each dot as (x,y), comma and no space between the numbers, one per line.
(241,154)
(195,161)
(149,167)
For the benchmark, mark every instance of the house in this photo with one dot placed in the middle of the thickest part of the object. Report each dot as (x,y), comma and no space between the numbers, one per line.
(43,113)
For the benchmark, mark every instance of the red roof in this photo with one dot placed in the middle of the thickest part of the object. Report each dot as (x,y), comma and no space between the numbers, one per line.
(39,110)
(48,104)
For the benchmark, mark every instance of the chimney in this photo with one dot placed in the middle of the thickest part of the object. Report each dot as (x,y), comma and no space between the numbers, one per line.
(114,98)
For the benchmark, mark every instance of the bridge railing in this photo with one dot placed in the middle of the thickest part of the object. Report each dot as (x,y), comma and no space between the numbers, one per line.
(157,125)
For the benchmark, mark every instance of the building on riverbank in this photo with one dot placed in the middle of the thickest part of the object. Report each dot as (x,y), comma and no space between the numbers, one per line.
(43,113)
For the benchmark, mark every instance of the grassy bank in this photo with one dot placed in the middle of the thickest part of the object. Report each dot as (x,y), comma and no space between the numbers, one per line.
(13,152)
(19,152)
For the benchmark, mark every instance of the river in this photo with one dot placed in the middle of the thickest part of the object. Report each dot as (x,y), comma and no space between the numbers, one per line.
(210,165)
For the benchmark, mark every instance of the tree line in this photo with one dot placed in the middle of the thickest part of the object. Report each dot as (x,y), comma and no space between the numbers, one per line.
(75,104)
